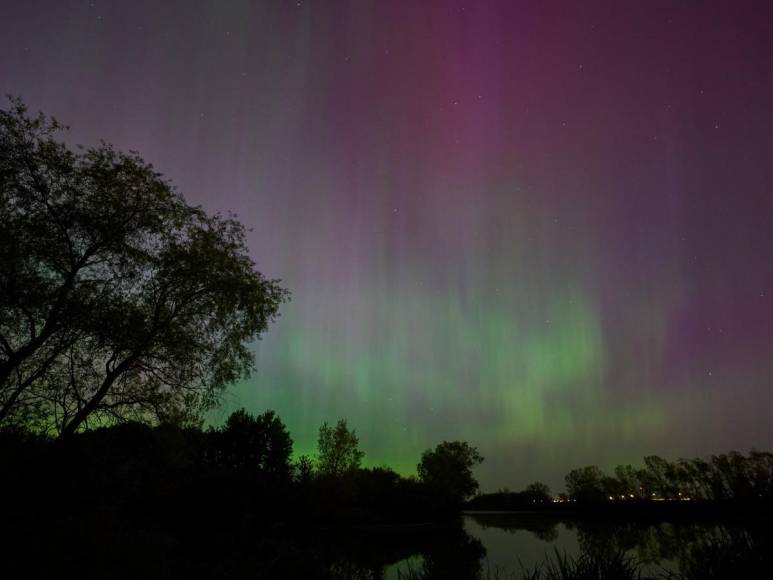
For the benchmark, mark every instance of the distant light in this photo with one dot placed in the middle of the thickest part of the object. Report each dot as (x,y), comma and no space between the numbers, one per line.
(610,497)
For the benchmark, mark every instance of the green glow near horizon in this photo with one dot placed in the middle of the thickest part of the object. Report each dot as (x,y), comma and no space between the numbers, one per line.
(445,369)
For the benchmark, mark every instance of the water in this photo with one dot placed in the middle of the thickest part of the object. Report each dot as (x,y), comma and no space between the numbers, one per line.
(504,546)
(510,547)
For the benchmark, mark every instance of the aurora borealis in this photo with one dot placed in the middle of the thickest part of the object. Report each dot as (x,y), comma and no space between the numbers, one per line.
(542,227)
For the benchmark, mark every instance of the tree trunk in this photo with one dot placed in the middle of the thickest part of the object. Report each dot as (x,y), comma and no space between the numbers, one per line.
(17,358)
(87,409)
(92,404)
(49,327)
(8,405)
(23,385)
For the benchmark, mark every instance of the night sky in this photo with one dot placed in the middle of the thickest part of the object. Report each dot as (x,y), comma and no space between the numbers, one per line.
(542,227)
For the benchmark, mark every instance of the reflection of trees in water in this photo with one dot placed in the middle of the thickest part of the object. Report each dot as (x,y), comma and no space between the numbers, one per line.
(459,558)
(545,529)
(702,551)
(725,552)
(445,552)
(699,550)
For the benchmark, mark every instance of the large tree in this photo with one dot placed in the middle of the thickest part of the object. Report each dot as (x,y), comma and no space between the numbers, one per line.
(117,298)
(259,444)
(586,484)
(447,469)
(338,449)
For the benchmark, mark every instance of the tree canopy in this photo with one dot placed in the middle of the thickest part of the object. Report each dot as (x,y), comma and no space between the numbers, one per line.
(538,492)
(257,444)
(586,484)
(724,477)
(118,300)
(338,449)
(448,469)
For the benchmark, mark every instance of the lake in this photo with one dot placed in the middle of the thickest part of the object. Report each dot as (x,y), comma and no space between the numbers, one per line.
(504,545)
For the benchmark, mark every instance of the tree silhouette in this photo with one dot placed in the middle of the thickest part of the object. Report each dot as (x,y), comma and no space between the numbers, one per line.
(304,470)
(254,444)
(538,492)
(586,484)
(118,300)
(338,449)
(447,469)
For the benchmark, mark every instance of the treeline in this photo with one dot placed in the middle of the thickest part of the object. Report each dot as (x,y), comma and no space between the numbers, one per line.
(730,476)
(536,493)
(248,461)
(223,501)
(727,477)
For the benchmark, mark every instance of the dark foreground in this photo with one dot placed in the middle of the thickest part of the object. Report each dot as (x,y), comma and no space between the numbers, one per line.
(479,546)
(133,502)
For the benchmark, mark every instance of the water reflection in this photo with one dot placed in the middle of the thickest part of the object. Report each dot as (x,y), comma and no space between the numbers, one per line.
(521,542)
(427,552)
(515,542)
(514,546)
